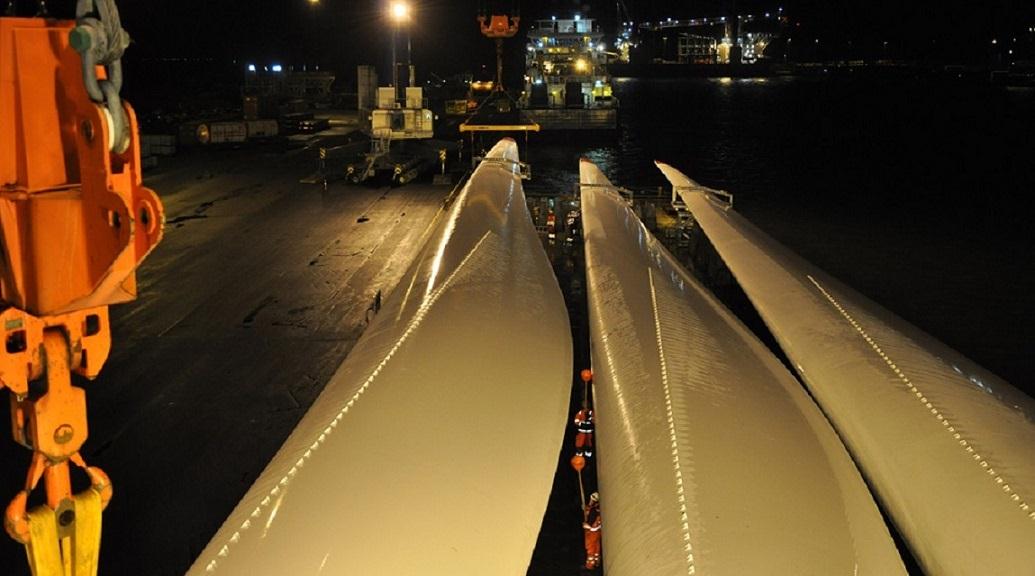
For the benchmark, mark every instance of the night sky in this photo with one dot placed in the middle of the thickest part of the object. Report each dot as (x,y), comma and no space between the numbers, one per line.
(213,40)
(345,32)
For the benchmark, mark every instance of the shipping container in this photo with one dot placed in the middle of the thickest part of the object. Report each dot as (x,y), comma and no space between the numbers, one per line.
(259,129)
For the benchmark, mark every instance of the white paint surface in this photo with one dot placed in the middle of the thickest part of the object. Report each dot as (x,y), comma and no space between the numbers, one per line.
(947,447)
(432,450)
(712,458)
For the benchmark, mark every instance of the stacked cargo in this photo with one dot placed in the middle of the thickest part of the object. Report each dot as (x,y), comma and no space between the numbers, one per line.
(227,132)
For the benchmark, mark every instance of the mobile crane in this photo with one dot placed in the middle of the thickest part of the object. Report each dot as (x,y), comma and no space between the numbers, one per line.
(75,222)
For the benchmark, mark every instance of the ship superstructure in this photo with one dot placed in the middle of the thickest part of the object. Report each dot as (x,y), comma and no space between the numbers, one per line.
(567,85)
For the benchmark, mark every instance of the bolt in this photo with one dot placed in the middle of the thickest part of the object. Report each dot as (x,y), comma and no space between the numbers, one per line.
(80,39)
(63,434)
(67,517)
(86,129)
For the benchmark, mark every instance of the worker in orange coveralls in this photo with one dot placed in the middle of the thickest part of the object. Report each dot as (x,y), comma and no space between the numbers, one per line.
(584,434)
(591,527)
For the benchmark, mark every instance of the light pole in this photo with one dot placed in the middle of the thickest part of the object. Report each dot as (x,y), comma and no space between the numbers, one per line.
(400,14)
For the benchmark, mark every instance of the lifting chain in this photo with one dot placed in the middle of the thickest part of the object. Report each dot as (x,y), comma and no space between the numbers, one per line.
(100,41)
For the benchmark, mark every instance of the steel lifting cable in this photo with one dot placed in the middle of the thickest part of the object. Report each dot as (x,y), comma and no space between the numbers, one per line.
(101,41)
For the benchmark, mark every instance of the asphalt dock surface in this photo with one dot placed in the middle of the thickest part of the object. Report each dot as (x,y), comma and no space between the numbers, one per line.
(253,299)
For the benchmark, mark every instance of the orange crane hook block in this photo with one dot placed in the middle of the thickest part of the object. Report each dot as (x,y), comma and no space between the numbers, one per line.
(75,222)
(499,25)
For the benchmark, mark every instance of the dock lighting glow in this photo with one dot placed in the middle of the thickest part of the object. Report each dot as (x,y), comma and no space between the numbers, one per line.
(578,17)
(581,65)
(400,11)
(251,67)
(277,68)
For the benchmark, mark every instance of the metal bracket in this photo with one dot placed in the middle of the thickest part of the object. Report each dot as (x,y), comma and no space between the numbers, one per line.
(717,195)
(523,169)
(626,194)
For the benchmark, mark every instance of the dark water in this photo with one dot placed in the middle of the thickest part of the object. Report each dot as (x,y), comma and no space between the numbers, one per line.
(913,192)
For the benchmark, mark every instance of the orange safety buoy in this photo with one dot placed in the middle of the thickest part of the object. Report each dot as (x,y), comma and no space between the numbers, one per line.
(578,463)
(587,375)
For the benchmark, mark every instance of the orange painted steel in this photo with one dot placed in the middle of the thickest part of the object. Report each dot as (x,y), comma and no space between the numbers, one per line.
(499,26)
(76,218)
(75,222)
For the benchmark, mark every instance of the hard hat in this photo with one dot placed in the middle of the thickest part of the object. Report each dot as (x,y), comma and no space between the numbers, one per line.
(594,497)
(587,375)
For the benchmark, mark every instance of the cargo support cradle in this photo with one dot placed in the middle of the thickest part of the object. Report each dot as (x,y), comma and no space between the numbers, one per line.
(75,222)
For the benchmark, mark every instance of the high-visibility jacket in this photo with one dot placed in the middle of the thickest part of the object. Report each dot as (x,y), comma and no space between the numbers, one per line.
(592,522)
(584,421)
(591,530)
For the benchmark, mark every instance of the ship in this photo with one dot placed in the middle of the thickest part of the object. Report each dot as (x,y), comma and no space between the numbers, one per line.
(567,84)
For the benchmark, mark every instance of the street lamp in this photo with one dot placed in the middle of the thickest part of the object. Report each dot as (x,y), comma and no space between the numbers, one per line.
(399,12)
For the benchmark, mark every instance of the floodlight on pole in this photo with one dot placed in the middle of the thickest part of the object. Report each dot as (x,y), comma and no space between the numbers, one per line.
(400,12)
